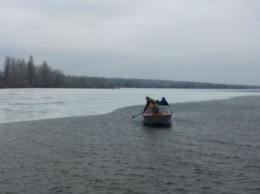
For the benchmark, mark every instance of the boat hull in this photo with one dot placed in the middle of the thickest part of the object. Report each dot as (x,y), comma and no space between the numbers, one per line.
(163,117)
(157,118)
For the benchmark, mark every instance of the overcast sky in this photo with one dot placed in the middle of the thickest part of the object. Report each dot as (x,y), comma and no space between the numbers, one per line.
(215,41)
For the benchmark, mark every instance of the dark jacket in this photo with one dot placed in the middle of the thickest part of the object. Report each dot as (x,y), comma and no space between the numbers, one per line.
(164,102)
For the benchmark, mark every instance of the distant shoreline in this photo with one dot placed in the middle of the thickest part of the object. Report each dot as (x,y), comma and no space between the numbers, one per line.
(43,76)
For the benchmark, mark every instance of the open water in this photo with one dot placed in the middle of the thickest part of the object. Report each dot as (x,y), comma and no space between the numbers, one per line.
(35,104)
(211,148)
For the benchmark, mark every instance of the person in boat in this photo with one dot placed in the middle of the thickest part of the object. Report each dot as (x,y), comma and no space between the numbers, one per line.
(163,102)
(151,103)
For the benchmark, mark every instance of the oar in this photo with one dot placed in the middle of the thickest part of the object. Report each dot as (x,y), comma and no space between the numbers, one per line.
(137,114)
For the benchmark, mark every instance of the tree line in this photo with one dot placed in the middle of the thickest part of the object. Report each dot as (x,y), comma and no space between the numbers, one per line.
(18,73)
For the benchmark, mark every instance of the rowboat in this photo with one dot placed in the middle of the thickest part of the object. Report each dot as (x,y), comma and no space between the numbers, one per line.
(163,117)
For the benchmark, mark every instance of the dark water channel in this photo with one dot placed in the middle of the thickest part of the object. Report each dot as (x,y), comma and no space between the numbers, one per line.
(211,147)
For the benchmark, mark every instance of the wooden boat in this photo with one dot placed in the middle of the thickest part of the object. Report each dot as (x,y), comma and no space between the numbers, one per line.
(163,117)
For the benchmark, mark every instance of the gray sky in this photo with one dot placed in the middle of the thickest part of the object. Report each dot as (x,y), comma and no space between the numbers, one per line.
(183,40)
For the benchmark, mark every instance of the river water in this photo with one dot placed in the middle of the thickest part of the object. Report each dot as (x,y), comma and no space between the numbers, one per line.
(35,104)
(212,147)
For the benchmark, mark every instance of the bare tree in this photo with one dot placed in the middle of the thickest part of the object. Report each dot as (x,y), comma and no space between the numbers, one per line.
(44,75)
(59,78)
(31,72)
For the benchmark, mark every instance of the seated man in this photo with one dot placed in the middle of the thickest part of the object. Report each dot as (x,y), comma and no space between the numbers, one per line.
(163,102)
